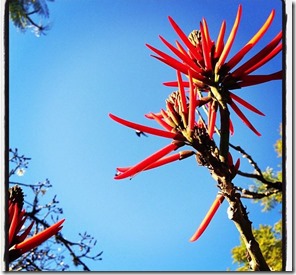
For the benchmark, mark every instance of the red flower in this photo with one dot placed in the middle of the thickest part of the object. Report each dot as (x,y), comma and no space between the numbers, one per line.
(179,123)
(18,244)
(207,219)
(205,60)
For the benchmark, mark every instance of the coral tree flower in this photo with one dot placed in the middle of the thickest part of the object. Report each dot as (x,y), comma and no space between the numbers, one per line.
(18,244)
(179,123)
(205,60)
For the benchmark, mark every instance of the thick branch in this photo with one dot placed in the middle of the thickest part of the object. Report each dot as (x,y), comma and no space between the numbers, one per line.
(237,213)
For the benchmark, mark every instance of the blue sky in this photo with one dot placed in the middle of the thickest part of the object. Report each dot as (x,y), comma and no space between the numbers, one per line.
(93,62)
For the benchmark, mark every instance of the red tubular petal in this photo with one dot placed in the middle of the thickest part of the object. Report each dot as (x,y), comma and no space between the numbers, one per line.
(231,129)
(165,160)
(143,128)
(211,119)
(245,104)
(230,160)
(172,62)
(14,223)
(205,48)
(186,59)
(179,66)
(206,32)
(159,115)
(252,62)
(204,224)
(243,118)
(10,212)
(230,40)
(237,164)
(192,103)
(149,160)
(249,80)
(162,123)
(182,92)
(21,221)
(181,49)
(185,39)
(175,84)
(26,233)
(173,115)
(220,40)
(239,56)
(36,240)
(264,60)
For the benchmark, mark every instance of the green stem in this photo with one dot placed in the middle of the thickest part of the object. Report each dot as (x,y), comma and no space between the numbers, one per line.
(224,124)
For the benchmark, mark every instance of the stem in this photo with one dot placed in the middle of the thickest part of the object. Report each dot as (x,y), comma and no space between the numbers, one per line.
(224,123)
(224,133)
(237,213)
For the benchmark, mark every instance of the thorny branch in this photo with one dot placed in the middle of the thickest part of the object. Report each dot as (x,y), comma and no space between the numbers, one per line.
(258,175)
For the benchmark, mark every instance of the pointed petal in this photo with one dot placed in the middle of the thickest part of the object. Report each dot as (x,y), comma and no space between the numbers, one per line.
(175,84)
(185,39)
(212,119)
(230,160)
(245,104)
(162,123)
(143,128)
(182,92)
(204,224)
(192,103)
(249,80)
(220,40)
(253,41)
(186,59)
(168,159)
(159,115)
(231,129)
(42,236)
(162,161)
(230,40)
(25,233)
(149,160)
(205,46)
(252,62)
(243,118)
(180,67)
(237,164)
(264,60)
(172,62)
(14,223)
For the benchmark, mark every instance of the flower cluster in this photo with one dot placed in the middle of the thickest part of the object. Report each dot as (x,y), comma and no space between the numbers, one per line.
(209,81)
(17,242)
(205,59)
